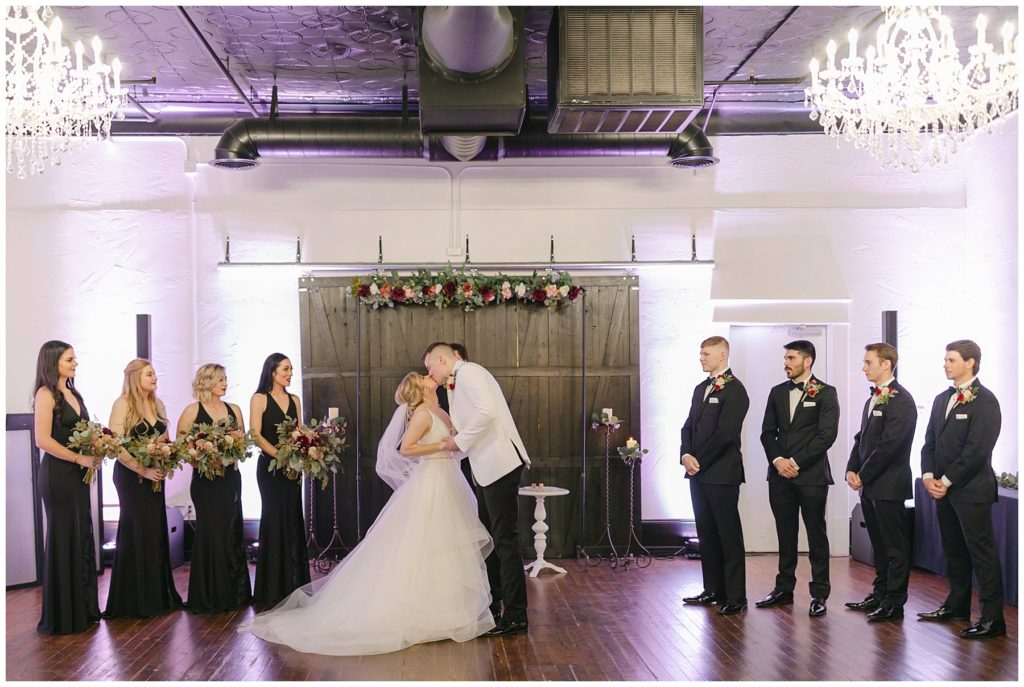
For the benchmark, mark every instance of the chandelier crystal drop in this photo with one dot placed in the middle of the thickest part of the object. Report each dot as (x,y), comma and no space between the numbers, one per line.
(53,106)
(909,101)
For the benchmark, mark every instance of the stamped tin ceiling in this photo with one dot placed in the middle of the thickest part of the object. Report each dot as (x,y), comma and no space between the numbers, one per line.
(358,59)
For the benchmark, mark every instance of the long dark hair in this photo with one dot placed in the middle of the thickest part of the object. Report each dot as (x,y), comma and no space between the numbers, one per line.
(267,376)
(47,374)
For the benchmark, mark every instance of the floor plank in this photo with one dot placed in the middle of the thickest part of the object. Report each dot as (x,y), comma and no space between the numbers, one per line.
(593,624)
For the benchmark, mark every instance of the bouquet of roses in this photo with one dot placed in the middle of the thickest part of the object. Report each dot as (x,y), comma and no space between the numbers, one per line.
(93,439)
(211,449)
(155,452)
(314,449)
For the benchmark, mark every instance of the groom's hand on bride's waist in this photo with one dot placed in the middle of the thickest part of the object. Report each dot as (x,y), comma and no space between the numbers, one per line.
(450,445)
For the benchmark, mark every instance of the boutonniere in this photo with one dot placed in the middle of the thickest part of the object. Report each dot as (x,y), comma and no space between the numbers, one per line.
(965,396)
(884,394)
(720,381)
(450,383)
(812,387)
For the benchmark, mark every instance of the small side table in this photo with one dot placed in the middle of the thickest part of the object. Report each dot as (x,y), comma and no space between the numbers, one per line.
(540,539)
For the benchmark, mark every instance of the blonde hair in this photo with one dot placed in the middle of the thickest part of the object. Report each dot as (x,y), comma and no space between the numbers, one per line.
(410,390)
(137,399)
(206,376)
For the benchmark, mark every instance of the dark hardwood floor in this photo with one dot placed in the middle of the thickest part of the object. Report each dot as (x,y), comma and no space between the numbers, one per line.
(596,624)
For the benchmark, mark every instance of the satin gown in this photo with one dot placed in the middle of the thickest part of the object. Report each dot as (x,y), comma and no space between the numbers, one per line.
(418,575)
(70,596)
(141,585)
(219,575)
(282,564)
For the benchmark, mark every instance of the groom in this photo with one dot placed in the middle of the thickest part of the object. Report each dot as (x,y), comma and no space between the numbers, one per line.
(487,432)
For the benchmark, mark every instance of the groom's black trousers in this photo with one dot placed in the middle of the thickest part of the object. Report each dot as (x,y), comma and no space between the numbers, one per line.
(498,506)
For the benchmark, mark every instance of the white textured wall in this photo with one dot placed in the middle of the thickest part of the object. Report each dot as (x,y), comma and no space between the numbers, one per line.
(801,232)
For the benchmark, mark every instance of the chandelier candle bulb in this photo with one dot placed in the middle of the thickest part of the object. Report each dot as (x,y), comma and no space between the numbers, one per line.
(814,72)
(830,49)
(55,31)
(116,64)
(1007,37)
(981,23)
(97,47)
(79,51)
(852,36)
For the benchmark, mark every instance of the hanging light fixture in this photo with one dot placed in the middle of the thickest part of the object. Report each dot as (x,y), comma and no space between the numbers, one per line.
(909,100)
(53,106)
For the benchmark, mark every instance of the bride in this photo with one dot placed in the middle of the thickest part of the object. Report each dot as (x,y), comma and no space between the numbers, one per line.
(418,575)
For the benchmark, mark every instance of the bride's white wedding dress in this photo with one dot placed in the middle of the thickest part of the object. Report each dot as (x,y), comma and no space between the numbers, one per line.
(418,575)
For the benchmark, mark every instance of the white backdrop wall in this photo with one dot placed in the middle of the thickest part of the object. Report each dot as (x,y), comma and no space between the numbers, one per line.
(801,232)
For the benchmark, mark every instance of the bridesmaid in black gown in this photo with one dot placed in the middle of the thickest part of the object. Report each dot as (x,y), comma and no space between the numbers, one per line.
(282,564)
(70,598)
(141,585)
(219,576)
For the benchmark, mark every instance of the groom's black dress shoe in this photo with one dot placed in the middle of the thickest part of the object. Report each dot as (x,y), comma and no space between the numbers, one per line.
(703,599)
(775,599)
(817,608)
(886,611)
(730,608)
(508,628)
(944,613)
(985,628)
(869,604)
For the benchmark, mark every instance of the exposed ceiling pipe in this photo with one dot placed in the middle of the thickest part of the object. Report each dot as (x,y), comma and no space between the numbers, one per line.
(246,141)
(215,59)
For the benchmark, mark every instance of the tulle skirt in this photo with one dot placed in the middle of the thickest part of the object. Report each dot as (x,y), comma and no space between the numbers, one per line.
(418,576)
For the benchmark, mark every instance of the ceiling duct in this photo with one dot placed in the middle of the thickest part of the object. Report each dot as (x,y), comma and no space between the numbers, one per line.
(469,86)
(247,140)
(625,70)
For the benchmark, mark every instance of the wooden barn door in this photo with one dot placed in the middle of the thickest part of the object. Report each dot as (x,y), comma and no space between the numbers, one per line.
(535,354)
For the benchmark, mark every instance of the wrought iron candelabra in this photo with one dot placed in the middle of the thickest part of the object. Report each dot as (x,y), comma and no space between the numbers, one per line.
(323,562)
(607,427)
(642,558)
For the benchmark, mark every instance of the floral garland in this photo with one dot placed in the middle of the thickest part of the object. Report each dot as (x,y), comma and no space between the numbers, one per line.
(467,289)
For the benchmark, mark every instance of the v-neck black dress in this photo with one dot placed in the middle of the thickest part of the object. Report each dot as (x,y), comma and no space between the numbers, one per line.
(70,596)
(282,564)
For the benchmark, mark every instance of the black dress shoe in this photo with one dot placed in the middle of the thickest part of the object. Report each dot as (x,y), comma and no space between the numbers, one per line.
(776,598)
(703,599)
(817,608)
(944,613)
(886,612)
(869,604)
(732,608)
(985,628)
(508,628)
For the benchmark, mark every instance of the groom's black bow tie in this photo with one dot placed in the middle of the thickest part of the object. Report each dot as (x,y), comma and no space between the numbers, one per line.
(795,385)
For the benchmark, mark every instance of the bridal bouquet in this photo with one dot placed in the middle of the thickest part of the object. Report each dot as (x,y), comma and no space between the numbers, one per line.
(212,449)
(314,449)
(93,439)
(155,452)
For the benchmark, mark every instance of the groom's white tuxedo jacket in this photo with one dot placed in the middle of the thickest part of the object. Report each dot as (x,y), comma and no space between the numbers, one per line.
(485,427)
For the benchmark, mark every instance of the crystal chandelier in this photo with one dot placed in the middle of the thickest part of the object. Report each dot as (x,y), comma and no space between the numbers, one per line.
(909,100)
(52,106)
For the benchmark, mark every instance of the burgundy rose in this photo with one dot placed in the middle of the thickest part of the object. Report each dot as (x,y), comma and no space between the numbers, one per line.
(574,292)
(428,290)
(487,293)
(539,296)
(108,432)
(364,290)
(449,289)
(398,295)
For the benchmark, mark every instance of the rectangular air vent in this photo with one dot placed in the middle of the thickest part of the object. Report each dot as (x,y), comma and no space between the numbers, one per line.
(625,70)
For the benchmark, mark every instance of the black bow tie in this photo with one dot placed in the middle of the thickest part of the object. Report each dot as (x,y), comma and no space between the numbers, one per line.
(871,390)
(796,385)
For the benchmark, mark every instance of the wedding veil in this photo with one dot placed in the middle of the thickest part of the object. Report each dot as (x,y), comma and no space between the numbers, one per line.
(392,466)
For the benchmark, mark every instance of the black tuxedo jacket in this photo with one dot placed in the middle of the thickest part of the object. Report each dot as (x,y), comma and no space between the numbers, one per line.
(711,433)
(960,446)
(442,396)
(807,438)
(881,449)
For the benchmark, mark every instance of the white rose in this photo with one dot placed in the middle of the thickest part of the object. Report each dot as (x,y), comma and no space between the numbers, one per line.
(521,289)
(564,290)
(631,443)
(505,285)
(374,289)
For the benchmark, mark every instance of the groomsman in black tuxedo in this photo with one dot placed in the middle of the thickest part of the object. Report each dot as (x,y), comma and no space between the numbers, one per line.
(710,452)
(444,392)
(879,468)
(956,462)
(801,422)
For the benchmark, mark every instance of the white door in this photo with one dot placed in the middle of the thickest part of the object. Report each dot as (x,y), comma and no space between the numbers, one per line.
(756,354)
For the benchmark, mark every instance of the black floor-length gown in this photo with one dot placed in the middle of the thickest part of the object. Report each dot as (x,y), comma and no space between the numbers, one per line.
(141,585)
(219,577)
(282,564)
(70,597)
